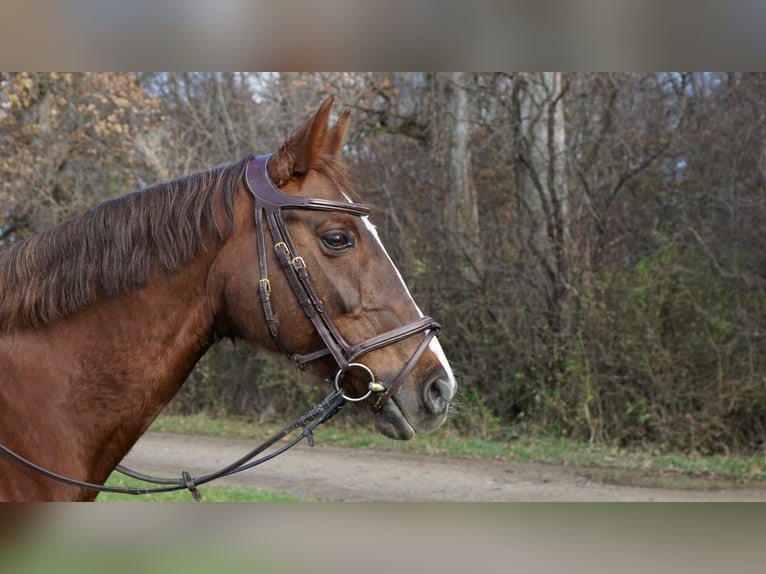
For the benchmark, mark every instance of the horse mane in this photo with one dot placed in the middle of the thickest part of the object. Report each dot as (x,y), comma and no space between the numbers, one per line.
(109,250)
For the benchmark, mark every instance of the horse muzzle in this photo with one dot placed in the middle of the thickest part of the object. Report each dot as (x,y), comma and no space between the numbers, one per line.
(416,409)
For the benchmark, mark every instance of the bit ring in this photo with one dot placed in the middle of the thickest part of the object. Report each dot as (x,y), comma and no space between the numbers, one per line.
(372,386)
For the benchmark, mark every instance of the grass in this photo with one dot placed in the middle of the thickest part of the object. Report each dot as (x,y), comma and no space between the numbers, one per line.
(210,493)
(527,447)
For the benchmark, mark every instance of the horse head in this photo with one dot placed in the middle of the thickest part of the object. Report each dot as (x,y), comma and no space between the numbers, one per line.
(305,272)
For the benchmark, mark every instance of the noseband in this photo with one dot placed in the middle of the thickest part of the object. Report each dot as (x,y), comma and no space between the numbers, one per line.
(269,203)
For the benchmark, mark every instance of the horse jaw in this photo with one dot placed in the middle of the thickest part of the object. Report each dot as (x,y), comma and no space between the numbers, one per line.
(391,422)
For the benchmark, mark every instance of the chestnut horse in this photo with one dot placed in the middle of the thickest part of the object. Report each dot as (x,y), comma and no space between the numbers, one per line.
(103,317)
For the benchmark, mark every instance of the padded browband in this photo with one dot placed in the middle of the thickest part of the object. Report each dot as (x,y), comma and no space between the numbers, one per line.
(272,199)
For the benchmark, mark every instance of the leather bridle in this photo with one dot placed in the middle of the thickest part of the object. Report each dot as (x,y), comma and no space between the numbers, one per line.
(269,203)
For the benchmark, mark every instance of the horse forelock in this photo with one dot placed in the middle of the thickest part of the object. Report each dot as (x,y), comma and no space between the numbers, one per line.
(336,170)
(110,249)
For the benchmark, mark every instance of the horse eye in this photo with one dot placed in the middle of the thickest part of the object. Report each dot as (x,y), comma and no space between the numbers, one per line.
(337,240)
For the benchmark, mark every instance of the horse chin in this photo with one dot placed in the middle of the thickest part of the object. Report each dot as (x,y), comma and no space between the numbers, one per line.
(391,422)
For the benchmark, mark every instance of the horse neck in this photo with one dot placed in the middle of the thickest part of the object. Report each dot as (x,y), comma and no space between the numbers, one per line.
(123,359)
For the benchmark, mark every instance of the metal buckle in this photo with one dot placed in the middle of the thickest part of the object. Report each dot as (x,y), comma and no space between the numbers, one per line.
(298,263)
(283,245)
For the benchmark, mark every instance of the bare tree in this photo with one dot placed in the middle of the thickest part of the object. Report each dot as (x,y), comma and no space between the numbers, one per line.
(542,182)
(461,207)
(67,143)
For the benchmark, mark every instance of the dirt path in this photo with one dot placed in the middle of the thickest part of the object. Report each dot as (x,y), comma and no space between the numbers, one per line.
(340,474)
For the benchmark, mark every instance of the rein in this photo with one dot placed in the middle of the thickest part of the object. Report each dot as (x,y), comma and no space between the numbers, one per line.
(269,203)
(307,422)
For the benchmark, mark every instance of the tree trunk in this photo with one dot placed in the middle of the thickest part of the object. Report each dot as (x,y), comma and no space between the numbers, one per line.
(461,203)
(541,175)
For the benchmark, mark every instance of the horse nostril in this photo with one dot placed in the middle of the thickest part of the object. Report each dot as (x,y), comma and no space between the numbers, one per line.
(437,395)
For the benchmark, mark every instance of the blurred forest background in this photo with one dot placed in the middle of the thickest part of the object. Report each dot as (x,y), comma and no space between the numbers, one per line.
(594,244)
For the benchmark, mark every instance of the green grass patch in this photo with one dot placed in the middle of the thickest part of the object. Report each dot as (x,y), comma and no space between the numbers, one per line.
(566,451)
(209,492)
(525,447)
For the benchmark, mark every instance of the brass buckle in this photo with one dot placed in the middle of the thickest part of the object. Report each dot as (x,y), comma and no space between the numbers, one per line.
(298,263)
(284,246)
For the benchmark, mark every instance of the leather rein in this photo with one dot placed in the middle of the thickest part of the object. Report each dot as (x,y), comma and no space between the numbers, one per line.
(269,203)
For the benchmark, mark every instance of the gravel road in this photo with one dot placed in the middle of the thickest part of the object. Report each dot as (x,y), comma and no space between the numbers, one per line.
(330,473)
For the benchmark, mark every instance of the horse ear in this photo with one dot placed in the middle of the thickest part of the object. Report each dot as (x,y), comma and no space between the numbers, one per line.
(303,148)
(336,134)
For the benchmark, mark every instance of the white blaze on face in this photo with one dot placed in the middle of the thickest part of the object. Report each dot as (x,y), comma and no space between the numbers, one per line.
(434,345)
